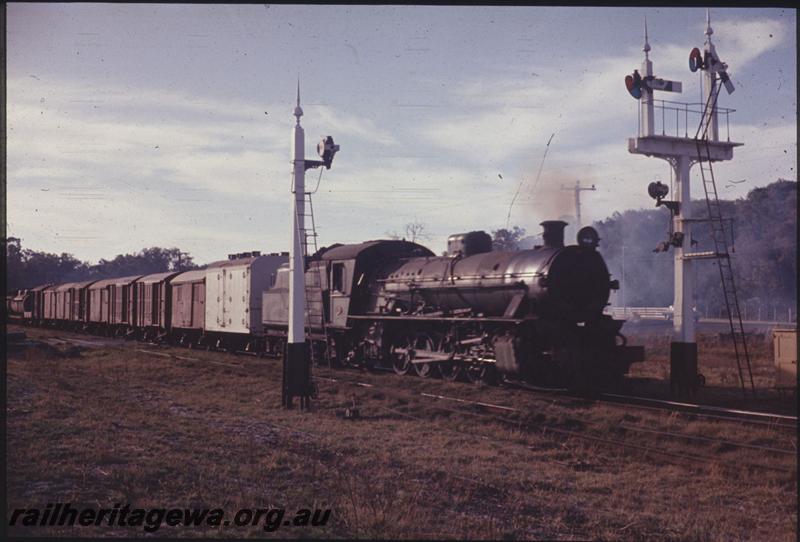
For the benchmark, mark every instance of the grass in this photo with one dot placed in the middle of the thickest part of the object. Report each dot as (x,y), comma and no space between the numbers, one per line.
(117,425)
(717,362)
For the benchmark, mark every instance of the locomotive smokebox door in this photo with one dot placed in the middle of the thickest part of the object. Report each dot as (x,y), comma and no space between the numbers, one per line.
(508,354)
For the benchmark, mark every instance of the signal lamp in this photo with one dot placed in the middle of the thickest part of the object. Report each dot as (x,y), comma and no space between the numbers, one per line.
(657,190)
(327,149)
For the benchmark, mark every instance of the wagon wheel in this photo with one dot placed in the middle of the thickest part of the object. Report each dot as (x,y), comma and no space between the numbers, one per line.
(425,342)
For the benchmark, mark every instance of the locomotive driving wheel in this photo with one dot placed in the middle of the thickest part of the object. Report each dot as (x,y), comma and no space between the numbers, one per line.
(424,344)
(401,361)
(451,369)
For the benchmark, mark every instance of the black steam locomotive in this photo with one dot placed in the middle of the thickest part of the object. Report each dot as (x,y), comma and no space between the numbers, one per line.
(532,315)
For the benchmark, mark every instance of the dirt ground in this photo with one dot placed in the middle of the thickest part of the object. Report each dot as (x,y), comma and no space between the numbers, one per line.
(106,423)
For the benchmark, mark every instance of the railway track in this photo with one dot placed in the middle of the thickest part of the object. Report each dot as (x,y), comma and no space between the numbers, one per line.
(690,409)
(696,410)
(559,432)
(769,419)
(518,418)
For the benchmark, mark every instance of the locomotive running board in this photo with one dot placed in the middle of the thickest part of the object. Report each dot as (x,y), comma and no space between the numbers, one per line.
(478,319)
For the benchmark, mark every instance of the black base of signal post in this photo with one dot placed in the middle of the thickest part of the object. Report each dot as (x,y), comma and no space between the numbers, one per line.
(683,374)
(296,376)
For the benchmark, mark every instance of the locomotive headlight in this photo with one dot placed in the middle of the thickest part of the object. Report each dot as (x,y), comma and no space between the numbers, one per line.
(588,237)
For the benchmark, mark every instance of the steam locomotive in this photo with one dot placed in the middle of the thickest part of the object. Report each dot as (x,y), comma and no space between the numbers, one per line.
(533,315)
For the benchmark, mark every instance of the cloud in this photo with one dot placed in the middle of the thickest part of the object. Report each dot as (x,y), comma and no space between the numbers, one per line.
(749,39)
(505,117)
(351,125)
(126,166)
(511,116)
(102,171)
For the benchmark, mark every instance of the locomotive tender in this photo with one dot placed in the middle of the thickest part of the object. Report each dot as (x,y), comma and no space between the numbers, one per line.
(475,313)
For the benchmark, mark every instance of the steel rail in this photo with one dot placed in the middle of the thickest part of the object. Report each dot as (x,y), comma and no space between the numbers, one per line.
(771,420)
(543,429)
(700,409)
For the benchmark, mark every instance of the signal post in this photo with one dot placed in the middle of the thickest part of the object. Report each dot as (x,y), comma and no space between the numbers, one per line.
(681,152)
(296,361)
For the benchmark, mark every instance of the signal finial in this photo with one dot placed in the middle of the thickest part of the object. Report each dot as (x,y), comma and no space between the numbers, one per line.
(646,47)
(709,30)
(298,111)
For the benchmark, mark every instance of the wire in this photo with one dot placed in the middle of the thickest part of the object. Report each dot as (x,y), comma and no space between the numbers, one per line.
(535,182)
(319,179)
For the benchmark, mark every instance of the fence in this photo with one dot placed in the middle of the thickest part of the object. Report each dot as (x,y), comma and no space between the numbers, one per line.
(750,313)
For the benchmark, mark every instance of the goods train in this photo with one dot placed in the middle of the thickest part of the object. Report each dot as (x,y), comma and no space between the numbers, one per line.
(474,313)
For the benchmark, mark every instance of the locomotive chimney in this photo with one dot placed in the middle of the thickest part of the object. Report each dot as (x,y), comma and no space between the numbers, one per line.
(553,234)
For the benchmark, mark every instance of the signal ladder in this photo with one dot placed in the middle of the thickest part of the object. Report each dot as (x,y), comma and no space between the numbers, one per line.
(309,241)
(720,240)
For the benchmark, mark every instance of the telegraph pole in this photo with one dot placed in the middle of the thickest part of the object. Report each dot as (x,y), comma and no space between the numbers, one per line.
(577,189)
(296,361)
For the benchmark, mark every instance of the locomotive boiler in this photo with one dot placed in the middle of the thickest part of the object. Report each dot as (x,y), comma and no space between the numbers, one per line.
(568,283)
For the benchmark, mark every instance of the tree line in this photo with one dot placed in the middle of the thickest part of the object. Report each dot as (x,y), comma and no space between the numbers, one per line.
(27,268)
(762,239)
(763,242)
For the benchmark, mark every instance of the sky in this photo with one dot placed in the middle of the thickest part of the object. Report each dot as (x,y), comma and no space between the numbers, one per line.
(130,126)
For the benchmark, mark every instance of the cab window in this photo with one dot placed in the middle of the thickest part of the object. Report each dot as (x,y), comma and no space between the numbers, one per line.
(337,278)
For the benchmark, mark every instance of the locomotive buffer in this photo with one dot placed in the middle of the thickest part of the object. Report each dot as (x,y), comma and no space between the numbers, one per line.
(296,360)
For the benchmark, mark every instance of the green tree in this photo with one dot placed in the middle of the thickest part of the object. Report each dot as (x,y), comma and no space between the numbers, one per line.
(505,239)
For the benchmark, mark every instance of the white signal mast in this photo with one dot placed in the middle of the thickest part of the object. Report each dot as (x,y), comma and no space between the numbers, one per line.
(681,151)
(296,361)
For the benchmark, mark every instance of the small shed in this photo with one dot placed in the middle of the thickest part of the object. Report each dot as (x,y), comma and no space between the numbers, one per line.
(785,347)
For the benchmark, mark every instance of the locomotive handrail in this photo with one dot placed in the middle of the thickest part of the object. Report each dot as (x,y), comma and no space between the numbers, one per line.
(417,278)
(496,319)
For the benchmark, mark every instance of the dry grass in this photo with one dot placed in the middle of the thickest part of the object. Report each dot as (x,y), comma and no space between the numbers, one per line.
(117,425)
(717,362)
